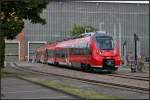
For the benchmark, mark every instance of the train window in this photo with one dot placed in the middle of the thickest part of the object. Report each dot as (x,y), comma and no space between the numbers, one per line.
(85,51)
(105,43)
(57,53)
(50,53)
(78,52)
(81,51)
(71,51)
(89,51)
(62,53)
(74,51)
(46,53)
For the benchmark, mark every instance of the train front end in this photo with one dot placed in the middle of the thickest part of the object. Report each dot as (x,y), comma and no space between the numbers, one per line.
(105,53)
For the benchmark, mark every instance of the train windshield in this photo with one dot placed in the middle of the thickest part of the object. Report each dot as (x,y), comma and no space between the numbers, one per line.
(105,43)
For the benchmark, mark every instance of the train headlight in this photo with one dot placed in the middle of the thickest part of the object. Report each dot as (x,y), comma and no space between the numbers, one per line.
(100,52)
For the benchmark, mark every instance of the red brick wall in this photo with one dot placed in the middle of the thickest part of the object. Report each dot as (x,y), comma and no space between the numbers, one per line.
(21,38)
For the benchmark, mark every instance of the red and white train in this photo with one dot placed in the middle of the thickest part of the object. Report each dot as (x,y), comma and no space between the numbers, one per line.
(93,50)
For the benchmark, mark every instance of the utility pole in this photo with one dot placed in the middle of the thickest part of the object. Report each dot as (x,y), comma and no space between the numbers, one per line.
(135,53)
(135,43)
(120,39)
(114,36)
(115,32)
(124,52)
(100,26)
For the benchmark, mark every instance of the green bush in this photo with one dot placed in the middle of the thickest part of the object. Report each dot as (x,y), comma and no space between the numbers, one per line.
(79,29)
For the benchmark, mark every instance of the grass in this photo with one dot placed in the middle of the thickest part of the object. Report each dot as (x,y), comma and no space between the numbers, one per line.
(69,89)
(6,73)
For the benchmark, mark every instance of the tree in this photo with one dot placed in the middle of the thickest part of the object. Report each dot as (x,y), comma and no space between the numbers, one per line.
(79,29)
(12,16)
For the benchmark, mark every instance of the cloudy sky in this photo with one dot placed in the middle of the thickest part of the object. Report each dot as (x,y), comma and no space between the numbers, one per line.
(118,1)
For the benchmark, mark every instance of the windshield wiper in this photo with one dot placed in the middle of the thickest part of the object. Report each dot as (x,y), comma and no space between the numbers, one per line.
(107,49)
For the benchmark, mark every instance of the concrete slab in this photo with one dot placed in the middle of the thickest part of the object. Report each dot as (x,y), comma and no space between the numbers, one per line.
(13,88)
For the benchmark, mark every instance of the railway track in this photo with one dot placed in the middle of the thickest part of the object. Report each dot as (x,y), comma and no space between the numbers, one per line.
(135,77)
(93,82)
(130,77)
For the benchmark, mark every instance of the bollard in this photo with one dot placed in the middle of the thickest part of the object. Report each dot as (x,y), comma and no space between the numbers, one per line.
(140,65)
(133,66)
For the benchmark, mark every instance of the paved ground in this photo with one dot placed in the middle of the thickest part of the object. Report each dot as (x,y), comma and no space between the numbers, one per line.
(14,88)
(127,69)
(19,89)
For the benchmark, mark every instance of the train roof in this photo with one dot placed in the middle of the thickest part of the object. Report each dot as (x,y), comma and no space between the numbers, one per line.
(51,45)
(100,33)
(43,47)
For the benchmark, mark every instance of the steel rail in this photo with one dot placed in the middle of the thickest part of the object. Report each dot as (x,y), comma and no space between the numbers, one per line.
(135,77)
(129,77)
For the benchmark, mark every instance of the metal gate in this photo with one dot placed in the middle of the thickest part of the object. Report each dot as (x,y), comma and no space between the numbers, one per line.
(12,52)
(32,46)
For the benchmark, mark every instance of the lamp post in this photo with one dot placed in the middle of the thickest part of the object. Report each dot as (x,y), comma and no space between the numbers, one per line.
(100,26)
(134,69)
(124,52)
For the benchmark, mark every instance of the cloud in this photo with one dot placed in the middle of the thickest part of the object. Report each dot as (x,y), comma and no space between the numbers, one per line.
(142,2)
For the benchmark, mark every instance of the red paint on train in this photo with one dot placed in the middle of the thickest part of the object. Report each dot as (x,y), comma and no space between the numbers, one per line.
(88,51)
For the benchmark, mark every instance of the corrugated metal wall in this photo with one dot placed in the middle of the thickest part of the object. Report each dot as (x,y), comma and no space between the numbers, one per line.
(12,52)
(32,47)
(61,16)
